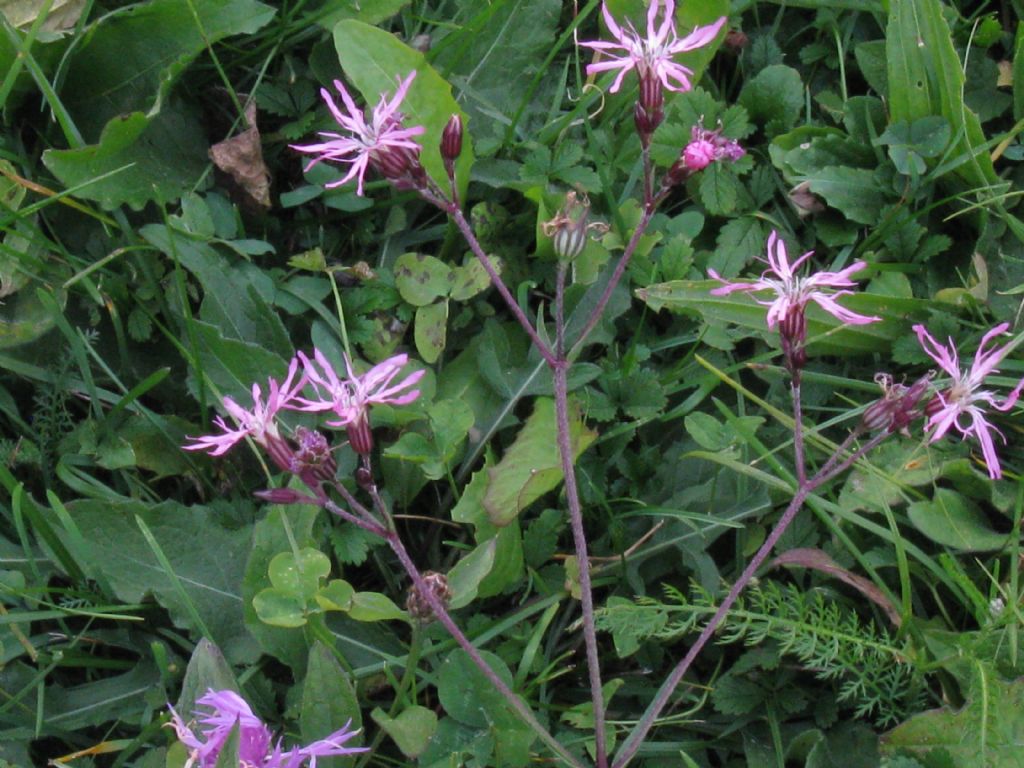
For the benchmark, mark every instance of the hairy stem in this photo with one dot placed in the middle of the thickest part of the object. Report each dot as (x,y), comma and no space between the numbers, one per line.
(640,731)
(442,615)
(572,497)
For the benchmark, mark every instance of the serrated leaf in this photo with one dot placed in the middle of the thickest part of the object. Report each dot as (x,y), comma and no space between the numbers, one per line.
(719,189)
(531,466)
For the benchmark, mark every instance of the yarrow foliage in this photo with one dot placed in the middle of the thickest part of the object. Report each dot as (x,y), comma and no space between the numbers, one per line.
(255,749)
(961,405)
(381,142)
(654,52)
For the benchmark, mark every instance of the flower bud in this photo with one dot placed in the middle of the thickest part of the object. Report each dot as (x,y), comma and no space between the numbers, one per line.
(313,460)
(282,496)
(649,110)
(360,436)
(451,144)
(418,605)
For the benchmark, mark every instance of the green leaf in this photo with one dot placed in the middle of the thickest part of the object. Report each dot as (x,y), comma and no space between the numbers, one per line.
(469,697)
(279,530)
(117,89)
(466,575)
(470,279)
(329,703)
(206,669)
(774,97)
(926,78)
(421,279)
(280,608)
(719,189)
(209,566)
(911,143)
(228,756)
(431,331)
(373,59)
(299,574)
(854,192)
(368,11)
(336,596)
(984,733)
(411,730)
(954,521)
(531,466)
(373,606)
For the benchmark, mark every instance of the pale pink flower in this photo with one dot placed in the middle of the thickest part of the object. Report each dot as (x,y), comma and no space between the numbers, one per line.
(793,292)
(655,51)
(259,423)
(381,141)
(350,396)
(254,738)
(965,397)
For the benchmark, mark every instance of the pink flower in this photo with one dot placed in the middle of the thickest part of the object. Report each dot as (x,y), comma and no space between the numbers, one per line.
(254,738)
(382,142)
(258,423)
(350,397)
(792,292)
(965,394)
(652,53)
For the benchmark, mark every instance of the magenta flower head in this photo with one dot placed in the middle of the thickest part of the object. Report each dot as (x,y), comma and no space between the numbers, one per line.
(259,423)
(381,143)
(351,396)
(227,709)
(654,52)
(793,292)
(962,404)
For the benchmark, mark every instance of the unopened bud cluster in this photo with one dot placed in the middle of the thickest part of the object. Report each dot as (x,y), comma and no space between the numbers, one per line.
(897,407)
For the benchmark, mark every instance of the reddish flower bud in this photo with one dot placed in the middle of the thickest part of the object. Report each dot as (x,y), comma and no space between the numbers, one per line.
(451,143)
(360,436)
(649,110)
(283,496)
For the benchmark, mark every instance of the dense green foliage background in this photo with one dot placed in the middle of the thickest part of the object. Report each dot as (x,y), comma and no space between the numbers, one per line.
(161,247)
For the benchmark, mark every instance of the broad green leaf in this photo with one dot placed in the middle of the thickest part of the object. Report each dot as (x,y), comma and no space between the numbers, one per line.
(299,574)
(209,565)
(336,596)
(854,192)
(531,466)
(131,58)
(369,11)
(421,279)
(117,88)
(233,295)
(954,521)
(25,317)
(280,608)
(485,44)
(411,730)
(373,606)
(233,366)
(465,577)
(60,14)
(774,97)
(826,335)
(926,78)
(275,532)
(137,159)
(206,669)
(431,331)
(374,60)
(985,733)
(470,279)
(329,703)
(468,696)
